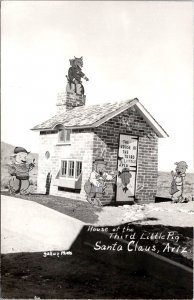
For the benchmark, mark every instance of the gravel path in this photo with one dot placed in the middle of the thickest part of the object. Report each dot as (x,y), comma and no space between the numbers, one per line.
(164,213)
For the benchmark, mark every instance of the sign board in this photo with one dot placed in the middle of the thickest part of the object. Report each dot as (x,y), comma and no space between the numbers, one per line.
(127,167)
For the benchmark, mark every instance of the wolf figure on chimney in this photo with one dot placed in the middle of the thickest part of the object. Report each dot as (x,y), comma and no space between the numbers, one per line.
(75,75)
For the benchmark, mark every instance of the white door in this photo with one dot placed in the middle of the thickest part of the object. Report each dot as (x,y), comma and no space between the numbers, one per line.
(127,167)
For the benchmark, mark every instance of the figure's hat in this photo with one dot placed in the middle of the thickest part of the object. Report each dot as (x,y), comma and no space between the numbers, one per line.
(100,158)
(125,170)
(20,149)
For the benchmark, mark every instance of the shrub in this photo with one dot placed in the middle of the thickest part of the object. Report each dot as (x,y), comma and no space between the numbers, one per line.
(5,182)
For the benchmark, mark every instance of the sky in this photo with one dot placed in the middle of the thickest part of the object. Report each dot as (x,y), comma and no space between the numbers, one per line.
(131,49)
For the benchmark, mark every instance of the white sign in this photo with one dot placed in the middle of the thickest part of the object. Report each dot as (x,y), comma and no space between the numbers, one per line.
(127,167)
(128,150)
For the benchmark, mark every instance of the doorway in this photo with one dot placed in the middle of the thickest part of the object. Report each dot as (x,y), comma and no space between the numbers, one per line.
(127,168)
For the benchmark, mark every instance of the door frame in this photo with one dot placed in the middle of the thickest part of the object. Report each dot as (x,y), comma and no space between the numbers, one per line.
(132,197)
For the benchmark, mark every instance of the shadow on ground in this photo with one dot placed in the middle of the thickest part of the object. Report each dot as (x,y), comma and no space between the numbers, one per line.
(92,274)
(80,210)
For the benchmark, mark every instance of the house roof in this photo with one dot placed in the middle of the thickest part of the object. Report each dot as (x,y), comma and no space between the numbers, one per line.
(90,116)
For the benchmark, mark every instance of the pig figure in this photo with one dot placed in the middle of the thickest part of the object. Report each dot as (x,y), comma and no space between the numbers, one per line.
(177,182)
(19,170)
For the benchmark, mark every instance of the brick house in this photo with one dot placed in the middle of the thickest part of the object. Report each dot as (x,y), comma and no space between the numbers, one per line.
(72,139)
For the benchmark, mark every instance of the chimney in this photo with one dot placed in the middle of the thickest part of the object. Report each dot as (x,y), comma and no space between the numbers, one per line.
(68,100)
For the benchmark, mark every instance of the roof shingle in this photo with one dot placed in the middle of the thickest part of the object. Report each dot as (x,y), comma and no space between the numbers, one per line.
(84,116)
(94,115)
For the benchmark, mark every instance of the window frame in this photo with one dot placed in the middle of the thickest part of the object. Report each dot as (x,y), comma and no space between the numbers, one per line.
(78,168)
(65,131)
(77,165)
(71,169)
(65,168)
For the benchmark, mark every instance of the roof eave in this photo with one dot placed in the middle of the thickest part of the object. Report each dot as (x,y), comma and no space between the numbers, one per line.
(160,132)
(41,129)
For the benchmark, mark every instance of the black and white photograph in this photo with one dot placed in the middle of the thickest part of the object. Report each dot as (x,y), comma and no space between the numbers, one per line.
(97,172)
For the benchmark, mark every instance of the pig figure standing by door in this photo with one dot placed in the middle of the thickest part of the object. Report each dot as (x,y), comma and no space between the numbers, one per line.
(95,187)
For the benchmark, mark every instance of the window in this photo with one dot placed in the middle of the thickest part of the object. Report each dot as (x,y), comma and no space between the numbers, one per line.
(47,154)
(61,135)
(71,168)
(78,168)
(64,168)
(64,135)
(68,132)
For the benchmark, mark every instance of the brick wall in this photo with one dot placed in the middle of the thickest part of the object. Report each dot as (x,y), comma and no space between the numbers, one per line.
(67,101)
(107,137)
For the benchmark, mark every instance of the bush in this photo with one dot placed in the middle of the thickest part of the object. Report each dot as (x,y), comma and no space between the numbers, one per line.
(5,182)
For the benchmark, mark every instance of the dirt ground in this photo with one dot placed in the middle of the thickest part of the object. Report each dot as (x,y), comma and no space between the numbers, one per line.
(166,213)
(83,276)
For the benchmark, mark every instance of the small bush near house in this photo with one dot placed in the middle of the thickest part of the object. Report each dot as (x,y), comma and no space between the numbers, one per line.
(5,183)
